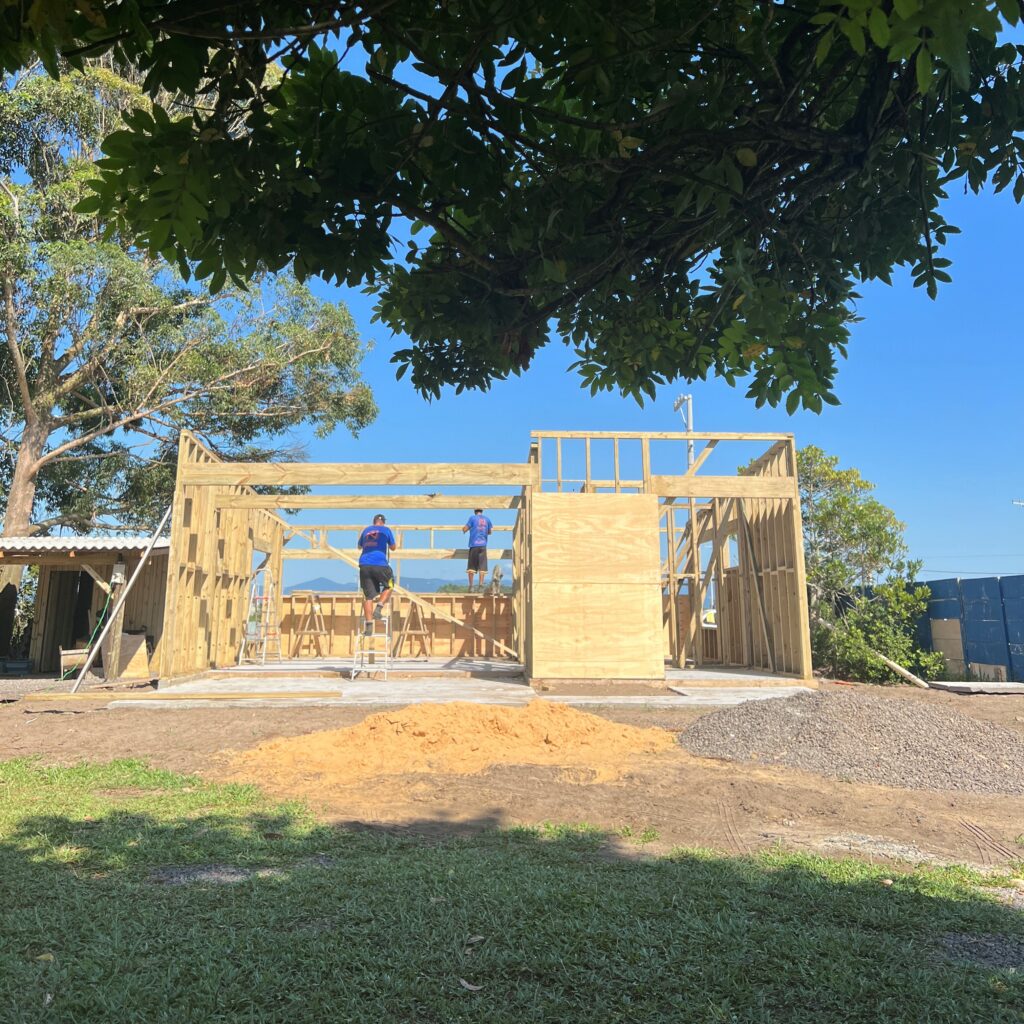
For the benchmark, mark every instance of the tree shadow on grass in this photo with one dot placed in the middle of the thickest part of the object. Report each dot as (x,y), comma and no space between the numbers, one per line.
(314,923)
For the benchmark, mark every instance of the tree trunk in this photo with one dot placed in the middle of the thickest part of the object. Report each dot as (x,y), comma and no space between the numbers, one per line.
(18,520)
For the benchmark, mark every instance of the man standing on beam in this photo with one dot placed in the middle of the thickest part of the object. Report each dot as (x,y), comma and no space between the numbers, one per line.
(479,527)
(375,575)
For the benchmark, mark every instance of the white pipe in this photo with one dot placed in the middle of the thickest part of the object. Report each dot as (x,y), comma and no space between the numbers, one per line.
(120,600)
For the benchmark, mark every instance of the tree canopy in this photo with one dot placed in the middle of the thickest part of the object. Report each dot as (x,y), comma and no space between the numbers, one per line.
(106,353)
(860,577)
(676,188)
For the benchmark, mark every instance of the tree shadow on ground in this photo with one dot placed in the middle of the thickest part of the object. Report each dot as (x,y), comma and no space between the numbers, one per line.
(268,915)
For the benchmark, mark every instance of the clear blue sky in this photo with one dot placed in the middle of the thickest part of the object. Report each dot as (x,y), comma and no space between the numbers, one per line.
(931,406)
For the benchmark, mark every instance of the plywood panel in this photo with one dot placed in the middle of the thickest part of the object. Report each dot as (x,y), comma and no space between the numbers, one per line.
(586,632)
(595,538)
(596,594)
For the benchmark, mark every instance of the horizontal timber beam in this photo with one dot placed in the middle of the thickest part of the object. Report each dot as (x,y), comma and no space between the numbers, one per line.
(288,474)
(356,527)
(374,501)
(431,554)
(724,486)
(631,435)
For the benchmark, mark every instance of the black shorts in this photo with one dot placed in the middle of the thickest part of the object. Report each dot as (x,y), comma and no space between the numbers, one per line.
(375,579)
(477,559)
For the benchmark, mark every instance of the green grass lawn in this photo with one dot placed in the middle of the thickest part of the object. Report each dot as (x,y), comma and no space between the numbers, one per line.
(544,925)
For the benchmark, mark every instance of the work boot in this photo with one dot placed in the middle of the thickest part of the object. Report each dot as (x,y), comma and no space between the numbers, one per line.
(378,613)
(368,628)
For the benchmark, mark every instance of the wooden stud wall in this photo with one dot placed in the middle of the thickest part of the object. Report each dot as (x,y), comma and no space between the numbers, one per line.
(343,614)
(211,566)
(737,538)
(593,595)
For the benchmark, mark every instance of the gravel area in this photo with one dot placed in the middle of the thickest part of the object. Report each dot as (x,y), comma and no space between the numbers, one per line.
(863,738)
(12,687)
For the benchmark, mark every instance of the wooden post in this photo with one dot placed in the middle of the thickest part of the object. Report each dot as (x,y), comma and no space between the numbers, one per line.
(696,591)
(112,662)
(802,613)
(674,645)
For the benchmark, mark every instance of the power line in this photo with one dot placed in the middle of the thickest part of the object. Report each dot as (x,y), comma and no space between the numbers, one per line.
(973,572)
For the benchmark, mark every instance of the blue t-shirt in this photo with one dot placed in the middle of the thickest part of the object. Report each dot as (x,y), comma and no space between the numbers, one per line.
(374,542)
(479,529)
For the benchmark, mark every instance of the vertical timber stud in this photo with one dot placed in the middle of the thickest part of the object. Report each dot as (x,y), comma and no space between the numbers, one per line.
(696,592)
(675,647)
(176,556)
(722,630)
(796,519)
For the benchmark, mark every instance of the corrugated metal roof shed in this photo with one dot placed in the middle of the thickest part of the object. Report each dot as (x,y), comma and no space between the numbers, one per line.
(65,545)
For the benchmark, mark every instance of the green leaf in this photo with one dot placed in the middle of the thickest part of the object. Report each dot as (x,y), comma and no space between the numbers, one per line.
(90,204)
(906,8)
(746,156)
(878,26)
(923,68)
(1010,10)
(218,280)
(855,34)
(824,45)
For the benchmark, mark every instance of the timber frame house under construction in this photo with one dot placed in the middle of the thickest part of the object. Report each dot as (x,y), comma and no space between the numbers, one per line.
(627,555)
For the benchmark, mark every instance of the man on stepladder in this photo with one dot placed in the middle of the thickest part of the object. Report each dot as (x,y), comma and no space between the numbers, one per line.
(479,527)
(375,575)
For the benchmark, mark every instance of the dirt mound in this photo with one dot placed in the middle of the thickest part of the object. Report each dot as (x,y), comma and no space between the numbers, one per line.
(864,738)
(456,739)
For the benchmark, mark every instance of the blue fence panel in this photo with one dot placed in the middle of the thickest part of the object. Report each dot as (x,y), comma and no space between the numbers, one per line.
(1012,589)
(983,625)
(944,602)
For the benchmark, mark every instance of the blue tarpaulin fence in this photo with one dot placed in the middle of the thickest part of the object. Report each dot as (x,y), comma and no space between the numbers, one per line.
(991,614)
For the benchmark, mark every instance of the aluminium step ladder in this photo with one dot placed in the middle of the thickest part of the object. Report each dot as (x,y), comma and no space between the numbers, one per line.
(371,652)
(261,636)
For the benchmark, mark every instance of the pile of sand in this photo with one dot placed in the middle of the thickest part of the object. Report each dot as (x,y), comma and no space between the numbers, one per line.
(456,739)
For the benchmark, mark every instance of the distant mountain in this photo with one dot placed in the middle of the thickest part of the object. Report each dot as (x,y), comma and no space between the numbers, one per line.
(322,585)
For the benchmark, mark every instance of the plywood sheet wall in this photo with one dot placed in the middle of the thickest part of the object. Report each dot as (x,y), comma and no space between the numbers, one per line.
(596,599)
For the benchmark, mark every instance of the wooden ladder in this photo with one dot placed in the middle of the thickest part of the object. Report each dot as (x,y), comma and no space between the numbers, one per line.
(414,627)
(313,627)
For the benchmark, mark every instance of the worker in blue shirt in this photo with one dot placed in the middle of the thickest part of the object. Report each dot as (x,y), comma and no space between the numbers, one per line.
(375,575)
(479,527)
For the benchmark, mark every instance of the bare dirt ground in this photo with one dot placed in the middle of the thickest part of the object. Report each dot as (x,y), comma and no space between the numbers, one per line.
(677,797)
